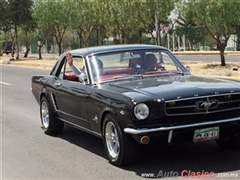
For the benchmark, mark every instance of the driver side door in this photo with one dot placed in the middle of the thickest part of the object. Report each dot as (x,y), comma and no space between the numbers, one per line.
(72,95)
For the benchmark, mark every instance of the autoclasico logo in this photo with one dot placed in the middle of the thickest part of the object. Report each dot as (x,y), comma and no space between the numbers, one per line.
(188,174)
(198,174)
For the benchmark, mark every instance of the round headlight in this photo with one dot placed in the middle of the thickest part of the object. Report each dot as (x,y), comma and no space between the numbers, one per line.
(141,111)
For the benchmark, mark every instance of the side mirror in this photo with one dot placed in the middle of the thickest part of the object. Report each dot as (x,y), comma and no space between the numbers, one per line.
(187,67)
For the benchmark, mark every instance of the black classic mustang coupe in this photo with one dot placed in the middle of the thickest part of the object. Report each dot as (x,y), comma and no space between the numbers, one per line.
(137,95)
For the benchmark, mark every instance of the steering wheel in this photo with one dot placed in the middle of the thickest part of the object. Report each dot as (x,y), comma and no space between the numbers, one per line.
(155,67)
(159,67)
(137,69)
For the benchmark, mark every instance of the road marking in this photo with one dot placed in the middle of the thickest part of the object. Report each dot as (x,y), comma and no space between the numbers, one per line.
(5,83)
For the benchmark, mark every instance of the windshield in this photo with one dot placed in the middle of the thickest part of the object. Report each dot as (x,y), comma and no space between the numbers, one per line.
(130,64)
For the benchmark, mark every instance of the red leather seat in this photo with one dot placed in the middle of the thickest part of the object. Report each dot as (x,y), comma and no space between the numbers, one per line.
(71,76)
(133,62)
(124,70)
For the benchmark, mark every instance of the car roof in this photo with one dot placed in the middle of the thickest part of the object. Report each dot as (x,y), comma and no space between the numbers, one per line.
(113,48)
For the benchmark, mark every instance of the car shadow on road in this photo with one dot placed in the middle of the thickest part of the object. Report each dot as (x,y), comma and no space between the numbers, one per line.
(83,140)
(169,159)
(178,160)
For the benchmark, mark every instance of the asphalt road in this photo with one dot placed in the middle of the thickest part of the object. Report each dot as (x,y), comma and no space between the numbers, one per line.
(207,58)
(27,153)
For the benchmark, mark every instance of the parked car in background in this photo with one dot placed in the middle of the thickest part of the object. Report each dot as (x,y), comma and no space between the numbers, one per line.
(143,95)
(7,47)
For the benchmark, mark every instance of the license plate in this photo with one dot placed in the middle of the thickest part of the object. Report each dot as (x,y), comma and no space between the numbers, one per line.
(206,134)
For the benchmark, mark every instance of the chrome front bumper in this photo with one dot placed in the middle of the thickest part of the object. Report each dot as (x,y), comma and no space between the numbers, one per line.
(170,128)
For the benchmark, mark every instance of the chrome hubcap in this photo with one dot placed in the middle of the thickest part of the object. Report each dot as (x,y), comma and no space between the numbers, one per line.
(45,115)
(112,141)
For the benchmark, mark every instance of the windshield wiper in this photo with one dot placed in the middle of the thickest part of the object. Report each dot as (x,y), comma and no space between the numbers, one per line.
(178,73)
(128,76)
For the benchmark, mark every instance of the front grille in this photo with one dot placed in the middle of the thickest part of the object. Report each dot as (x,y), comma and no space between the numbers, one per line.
(166,121)
(203,105)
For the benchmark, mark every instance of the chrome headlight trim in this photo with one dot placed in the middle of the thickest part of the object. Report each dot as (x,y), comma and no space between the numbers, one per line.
(141,111)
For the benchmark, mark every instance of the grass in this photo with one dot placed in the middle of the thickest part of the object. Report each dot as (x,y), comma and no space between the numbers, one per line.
(231,70)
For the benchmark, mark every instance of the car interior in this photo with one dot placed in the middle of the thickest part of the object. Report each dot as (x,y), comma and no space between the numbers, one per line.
(145,64)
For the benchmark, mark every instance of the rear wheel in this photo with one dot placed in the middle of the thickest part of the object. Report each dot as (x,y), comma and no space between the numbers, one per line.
(119,147)
(229,143)
(50,124)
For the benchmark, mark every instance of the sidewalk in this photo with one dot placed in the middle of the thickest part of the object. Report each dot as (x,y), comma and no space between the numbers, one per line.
(46,62)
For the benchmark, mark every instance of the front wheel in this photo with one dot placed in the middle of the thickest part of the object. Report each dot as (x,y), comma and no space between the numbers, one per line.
(50,124)
(119,147)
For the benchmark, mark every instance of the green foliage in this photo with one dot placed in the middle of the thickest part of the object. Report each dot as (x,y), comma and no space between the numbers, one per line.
(218,16)
(133,18)
(53,18)
(95,20)
(5,24)
(194,34)
(14,13)
(20,11)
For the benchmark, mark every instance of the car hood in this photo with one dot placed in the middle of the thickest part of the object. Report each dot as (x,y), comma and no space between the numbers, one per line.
(172,87)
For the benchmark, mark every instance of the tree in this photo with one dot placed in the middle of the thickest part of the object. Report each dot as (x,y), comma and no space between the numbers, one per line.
(42,29)
(162,10)
(147,16)
(4,14)
(217,16)
(237,32)
(194,34)
(5,23)
(120,14)
(28,32)
(87,19)
(142,19)
(54,17)
(188,27)
(18,12)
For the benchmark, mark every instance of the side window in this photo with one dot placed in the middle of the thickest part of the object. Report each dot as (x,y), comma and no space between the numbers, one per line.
(167,61)
(62,71)
(78,62)
(67,73)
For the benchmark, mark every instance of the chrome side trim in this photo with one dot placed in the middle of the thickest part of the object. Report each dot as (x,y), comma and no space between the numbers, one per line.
(82,128)
(73,116)
(169,128)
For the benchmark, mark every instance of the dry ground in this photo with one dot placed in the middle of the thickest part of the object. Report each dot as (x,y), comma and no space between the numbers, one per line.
(231,70)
